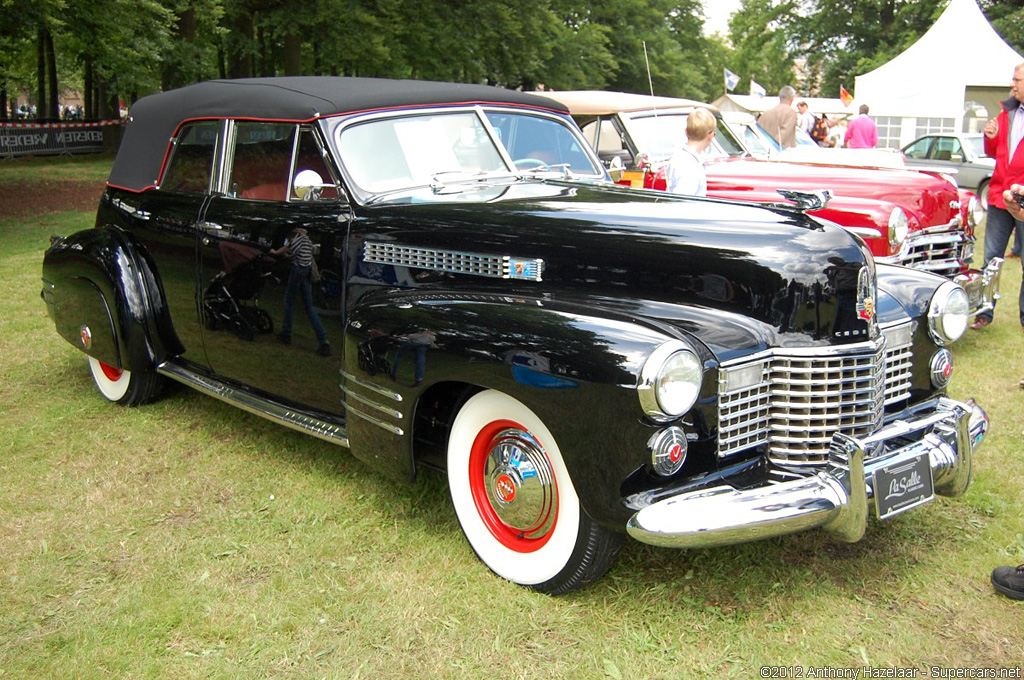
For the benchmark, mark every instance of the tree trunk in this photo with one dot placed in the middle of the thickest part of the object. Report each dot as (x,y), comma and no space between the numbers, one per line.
(292,54)
(52,105)
(3,102)
(239,46)
(40,74)
(173,74)
(88,85)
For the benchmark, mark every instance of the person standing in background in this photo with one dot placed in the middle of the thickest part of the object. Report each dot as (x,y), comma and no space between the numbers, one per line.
(781,121)
(1003,135)
(861,133)
(685,173)
(804,118)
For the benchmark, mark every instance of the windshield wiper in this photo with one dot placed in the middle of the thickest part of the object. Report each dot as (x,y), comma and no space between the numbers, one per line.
(437,186)
(564,168)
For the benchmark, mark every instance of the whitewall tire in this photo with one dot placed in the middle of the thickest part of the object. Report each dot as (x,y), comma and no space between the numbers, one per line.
(124,387)
(516,502)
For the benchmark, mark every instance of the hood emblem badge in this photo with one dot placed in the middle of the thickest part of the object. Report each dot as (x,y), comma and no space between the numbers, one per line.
(807,201)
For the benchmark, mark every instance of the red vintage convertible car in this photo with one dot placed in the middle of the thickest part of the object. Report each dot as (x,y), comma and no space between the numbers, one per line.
(908,217)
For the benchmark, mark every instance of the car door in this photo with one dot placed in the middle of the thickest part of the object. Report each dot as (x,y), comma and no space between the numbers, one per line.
(163,220)
(244,268)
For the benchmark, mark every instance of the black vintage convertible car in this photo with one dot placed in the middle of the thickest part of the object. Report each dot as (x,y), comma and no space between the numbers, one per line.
(441,276)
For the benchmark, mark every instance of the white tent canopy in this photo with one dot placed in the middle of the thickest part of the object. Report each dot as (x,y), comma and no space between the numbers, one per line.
(933,78)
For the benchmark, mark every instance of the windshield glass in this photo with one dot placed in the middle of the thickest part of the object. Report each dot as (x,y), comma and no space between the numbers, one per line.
(387,154)
(660,135)
(541,143)
(976,143)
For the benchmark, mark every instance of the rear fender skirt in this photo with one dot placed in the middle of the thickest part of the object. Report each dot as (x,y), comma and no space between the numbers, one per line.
(105,298)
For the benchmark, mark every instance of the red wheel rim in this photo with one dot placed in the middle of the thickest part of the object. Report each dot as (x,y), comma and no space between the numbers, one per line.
(501,487)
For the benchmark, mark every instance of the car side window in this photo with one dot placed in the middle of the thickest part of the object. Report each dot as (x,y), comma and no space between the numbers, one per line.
(919,149)
(310,156)
(190,167)
(261,160)
(943,150)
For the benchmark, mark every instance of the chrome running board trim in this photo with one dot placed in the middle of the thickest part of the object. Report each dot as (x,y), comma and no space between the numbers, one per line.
(302,421)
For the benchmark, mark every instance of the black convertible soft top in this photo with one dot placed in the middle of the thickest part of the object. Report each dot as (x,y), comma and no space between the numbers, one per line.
(154,119)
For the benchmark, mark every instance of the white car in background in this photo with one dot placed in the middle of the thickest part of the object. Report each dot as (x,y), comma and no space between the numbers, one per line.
(761,145)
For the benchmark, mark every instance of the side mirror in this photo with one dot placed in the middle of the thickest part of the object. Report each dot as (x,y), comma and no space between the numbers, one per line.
(308,185)
(616,168)
(957,158)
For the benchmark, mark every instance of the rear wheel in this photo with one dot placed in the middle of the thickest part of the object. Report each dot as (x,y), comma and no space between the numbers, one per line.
(515,501)
(128,388)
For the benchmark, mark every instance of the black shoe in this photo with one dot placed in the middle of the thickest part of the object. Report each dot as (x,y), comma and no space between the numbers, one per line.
(324,350)
(284,339)
(1009,581)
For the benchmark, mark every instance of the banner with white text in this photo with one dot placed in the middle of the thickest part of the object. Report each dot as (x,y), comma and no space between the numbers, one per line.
(23,139)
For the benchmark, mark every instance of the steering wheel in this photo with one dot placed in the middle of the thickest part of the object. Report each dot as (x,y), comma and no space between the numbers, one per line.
(531,164)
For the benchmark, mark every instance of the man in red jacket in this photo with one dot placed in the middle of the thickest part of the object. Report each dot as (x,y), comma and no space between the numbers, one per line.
(1003,135)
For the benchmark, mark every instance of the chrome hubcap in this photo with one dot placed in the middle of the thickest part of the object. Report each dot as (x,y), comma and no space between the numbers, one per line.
(520,484)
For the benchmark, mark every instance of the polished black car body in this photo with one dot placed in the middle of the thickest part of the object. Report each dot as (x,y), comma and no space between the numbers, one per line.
(583,359)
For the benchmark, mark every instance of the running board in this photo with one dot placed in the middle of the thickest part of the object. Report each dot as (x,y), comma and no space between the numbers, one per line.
(303,421)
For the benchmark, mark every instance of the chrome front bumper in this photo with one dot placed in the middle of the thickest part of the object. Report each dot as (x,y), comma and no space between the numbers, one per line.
(836,498)
(982,286)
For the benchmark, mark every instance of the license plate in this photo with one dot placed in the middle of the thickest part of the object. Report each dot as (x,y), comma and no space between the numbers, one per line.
(902,486)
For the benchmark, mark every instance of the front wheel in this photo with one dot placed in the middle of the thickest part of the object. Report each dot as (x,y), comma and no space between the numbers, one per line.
(983,194)
(128,388)
(515,501)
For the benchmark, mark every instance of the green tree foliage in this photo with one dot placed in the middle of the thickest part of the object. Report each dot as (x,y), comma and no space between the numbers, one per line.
(116,50)
(1007,17)
(760,32)
(842,39)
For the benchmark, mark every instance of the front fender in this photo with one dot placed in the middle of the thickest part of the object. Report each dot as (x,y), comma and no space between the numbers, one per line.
(104,297)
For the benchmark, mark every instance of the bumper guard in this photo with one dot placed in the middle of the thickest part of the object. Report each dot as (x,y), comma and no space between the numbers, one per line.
(982,286)
(835,499)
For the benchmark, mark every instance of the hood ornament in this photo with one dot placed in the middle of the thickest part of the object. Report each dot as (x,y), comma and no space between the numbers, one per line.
(808,200)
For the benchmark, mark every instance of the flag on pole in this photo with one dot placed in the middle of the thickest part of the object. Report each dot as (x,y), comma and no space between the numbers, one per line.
(845,96)
(731,80)
(756,89)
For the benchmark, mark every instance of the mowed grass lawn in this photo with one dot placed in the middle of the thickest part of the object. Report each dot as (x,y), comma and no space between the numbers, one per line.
(187,539)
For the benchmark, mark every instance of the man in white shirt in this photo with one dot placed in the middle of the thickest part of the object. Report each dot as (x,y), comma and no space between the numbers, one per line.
(804,117)
(685,173)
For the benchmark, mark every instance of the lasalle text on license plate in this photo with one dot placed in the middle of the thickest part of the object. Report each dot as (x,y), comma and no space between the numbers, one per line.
(903,485)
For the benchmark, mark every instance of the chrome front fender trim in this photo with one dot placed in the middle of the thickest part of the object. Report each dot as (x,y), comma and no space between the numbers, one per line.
(282,414)
(946,430)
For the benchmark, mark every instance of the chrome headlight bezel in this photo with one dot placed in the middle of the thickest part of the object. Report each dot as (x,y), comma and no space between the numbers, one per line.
(975,212)
(899,227)
(670,381)
(948,313)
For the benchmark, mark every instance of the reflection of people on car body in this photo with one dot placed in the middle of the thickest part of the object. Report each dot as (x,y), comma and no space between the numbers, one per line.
(418,343)
(300,249)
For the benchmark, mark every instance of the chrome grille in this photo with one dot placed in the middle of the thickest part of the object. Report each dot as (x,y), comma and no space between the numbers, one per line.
(475,264)
(942,250)
(431,258)
(806,396)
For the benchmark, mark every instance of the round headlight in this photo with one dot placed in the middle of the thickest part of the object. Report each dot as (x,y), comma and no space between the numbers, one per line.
(898,227)
(948,313)
(670,381)
(975,213)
